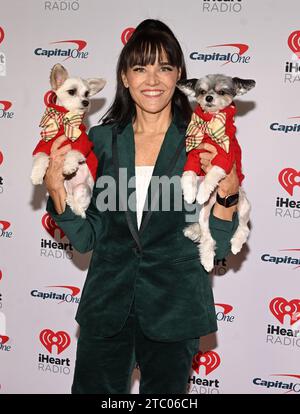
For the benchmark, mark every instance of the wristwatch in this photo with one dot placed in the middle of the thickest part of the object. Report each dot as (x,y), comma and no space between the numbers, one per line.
(228,201)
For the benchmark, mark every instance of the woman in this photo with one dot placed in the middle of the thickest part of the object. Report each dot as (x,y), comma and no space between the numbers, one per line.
(146,299)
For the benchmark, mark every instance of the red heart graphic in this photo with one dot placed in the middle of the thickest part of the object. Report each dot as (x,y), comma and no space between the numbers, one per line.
(1,35)
(50,225)
(294,42)
(287,178)
(210,360)
(61,339)
(1,158)
(127,33)
(3,339)
(281,307)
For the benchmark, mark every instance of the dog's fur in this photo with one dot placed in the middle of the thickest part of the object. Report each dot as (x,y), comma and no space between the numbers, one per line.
(213,93)
(73,94)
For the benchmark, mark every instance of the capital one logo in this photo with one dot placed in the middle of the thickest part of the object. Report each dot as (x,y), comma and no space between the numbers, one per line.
(4,225)
(210,360)
(69,52)
(237,56)
(1,34)
(50,226)
(5,105)
(294,42)
(226,308)
(60,339)
(280,308)
(289,178)
(126,34)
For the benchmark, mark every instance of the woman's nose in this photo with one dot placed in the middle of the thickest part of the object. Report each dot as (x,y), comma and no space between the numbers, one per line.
(152,78)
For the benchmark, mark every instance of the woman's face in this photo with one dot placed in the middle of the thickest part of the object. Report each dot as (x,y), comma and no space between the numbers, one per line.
(152,86)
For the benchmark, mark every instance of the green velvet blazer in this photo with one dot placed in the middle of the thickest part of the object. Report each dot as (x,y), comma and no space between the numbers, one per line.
(157,266)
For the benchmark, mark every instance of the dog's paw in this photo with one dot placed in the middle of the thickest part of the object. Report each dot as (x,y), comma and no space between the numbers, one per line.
(70,166)
(36,180)
(189,186)
(203,194)
(193,232)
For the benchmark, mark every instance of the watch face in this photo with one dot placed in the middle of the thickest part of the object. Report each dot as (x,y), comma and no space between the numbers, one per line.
(232,200)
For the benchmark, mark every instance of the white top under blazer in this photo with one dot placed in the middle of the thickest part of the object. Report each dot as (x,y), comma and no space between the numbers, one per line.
(143,176)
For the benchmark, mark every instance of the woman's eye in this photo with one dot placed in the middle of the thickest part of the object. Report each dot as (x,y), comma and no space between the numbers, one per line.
(166,68)
(138,69)
(72,92)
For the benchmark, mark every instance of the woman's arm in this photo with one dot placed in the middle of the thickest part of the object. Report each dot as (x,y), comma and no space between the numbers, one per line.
(54,179)
(223,221)
(229,184)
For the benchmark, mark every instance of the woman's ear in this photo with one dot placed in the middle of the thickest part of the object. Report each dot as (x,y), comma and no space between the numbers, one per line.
(179,74)
(124,80)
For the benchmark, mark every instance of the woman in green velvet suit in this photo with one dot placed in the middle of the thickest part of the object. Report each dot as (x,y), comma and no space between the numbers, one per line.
(147,299)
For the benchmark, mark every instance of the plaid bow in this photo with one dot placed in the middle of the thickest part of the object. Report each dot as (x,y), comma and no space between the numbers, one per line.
(52,120)
(214,128)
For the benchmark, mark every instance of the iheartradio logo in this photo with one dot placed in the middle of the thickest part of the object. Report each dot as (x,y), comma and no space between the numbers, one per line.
(51,227)
(280,308)
(60,339)
(1,35)
(210,360)
(289,179)
(126,34)
(294,42)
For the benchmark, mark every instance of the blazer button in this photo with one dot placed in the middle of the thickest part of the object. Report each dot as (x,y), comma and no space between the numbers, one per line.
(137,251)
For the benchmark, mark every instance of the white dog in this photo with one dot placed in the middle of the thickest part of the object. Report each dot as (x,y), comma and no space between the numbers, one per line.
(66,105)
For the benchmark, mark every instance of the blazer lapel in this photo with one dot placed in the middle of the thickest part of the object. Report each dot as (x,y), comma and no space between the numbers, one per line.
(124,150)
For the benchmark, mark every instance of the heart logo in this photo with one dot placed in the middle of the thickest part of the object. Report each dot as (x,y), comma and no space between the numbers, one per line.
(1,158)
(289,178)
(3,339)
(210,360)
(125,36)
(1,35)
(50,226)
(280,307)
(294,42)
(60,339)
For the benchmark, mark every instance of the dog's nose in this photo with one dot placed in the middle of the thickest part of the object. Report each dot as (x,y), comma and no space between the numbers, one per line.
(85,103)
(209,98)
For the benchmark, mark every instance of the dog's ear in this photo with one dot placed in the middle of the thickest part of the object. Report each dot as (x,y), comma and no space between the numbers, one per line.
(243,86)
(187,86)
(58,76)
(95,85)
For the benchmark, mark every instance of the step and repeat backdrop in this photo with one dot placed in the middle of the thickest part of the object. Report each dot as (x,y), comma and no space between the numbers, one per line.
(257,294)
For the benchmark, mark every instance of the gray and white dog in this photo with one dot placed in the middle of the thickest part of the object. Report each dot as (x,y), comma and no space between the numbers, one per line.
(213,122)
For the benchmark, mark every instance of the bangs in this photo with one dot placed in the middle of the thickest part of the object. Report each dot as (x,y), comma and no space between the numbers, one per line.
(146,50)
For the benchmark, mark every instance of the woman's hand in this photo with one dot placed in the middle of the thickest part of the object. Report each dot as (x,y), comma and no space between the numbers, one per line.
(229,184)
(54,178)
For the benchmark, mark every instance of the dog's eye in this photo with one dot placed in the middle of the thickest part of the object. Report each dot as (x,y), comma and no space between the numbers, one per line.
(72,92)
(202,92)
(86,94)
(222,93)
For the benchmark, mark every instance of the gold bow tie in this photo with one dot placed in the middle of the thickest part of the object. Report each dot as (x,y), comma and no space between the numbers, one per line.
(52,120)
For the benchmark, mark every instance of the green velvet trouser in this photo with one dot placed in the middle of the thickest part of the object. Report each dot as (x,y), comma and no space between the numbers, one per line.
(105,365)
